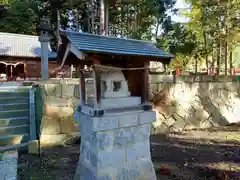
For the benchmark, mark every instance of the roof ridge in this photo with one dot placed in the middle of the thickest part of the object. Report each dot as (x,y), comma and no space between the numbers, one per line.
(15,34)
(110,37)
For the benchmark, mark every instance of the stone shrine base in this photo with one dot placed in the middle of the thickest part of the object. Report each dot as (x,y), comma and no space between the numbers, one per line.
(142,171)
(116,146)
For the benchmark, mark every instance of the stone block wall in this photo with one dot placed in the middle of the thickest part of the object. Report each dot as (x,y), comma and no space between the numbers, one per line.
(116,146)
(60,98)
(192,102)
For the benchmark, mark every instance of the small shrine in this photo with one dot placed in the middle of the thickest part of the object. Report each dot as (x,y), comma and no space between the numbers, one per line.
(114,111)
(114,85)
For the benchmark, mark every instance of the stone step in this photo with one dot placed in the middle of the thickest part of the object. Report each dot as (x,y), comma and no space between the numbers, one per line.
(14,121)
(11,130)
(13,88)
(23,147)
(14,99)
(13,94)
(14,106)
(14,113)
(10,140)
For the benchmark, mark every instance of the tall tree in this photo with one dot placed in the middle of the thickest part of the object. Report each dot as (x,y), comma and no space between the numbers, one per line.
(215,24)
(20,18)
(178,40)
(141,20)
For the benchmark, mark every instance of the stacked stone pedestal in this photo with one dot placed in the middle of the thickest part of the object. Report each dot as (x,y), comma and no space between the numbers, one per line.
(116,146)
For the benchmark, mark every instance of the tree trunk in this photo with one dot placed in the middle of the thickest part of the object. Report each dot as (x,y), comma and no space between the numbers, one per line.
(196,65)
(230,61)
(226,58)
(58,27)
(218,58)
(205,46)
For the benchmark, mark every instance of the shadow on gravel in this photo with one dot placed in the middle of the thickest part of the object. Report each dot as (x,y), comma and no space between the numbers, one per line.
(197,158)
(175,156)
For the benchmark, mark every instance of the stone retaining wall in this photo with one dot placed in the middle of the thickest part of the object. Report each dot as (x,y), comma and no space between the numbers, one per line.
(8,165)
(60,98)
(181,103)
(194,102)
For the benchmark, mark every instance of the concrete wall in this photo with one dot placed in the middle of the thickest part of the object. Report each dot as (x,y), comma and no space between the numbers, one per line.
(8,165)
(194,102)
(59,99)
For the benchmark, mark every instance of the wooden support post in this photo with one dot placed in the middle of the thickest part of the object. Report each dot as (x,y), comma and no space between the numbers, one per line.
(97,84)
(78,67)
(165,68)
(145,95)
(6,70)
(25,69)
(82,89)
(71,71)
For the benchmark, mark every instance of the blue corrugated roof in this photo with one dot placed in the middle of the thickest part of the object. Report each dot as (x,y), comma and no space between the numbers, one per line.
(104,44)
(21,45)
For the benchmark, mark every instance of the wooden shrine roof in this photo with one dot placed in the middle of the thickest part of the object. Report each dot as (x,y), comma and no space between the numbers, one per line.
(90,43)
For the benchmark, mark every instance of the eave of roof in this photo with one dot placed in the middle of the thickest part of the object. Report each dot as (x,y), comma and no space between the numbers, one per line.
(104,44)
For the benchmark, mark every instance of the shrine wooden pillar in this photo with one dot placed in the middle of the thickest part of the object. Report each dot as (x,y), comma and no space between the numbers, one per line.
(25,69)
(82,92)
(97,83)
(145,93)
(6,70)
(78,69)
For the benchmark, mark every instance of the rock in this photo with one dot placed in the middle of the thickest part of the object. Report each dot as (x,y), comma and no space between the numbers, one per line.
(66,112)
(67,125)
(58,111)
(67,91)
(162,129)
(159,119)
(205,124)
(169,121)
(52,111)
(50,125)
(58,102)
(50,89)
(33,147)
(179,124)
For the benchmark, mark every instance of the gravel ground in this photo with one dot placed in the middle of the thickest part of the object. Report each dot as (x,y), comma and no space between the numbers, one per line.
(212,154)
(200,154)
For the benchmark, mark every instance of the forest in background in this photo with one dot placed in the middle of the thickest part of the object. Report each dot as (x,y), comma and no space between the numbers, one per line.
(208,39)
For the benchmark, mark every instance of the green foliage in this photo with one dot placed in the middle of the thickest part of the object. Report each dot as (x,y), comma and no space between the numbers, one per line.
(212,30)
(20,18)
(141,20)
(136,20)
(215,24)
(4,1)
(211,33)
(177,39)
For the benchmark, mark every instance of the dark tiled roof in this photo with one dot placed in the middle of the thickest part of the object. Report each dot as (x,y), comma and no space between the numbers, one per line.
(104,44)
(21,46)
